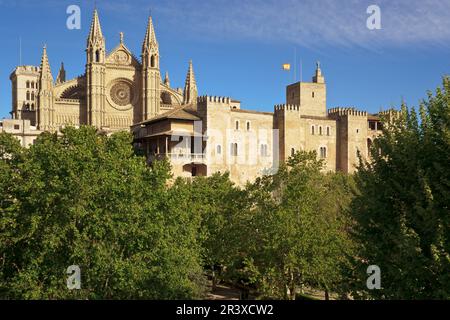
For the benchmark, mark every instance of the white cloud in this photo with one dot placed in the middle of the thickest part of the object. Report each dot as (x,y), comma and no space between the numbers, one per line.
(313,23)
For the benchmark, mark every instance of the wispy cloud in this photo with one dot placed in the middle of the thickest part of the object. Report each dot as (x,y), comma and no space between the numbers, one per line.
(313,23)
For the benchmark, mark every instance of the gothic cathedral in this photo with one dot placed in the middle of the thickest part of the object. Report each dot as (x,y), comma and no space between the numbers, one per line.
(117,90)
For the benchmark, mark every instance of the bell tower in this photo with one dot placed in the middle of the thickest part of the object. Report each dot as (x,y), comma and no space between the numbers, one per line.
(95,74)
(311,97)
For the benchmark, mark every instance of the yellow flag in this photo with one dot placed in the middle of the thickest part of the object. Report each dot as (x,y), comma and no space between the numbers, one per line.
(287,67)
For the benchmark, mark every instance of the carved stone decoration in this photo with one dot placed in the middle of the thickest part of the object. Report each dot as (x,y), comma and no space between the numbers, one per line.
(122,94)
(121,57)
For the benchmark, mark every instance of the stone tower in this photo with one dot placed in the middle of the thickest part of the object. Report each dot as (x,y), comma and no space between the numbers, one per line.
(46,101)
(151,74)
(190,88)
(25,91)
(310,96)
(95,74)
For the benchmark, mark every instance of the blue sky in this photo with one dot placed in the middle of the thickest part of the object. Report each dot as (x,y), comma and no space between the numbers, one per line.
(239,46)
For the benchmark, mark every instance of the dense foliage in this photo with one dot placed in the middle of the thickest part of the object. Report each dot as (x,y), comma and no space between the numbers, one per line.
(85,199)
(402,211)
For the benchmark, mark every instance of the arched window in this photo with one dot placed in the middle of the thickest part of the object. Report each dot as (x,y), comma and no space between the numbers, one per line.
(328,131)
(32,85)
(264,150)
(28,95)
(237,125)
(219,149)
(28,84)
(32,96)
(292,152)
(152,61)
(323,152)
(32,107)
(97,56)
(313,129)
(369,146)
(248,126)
(320,130)
(234,149)
(313,94)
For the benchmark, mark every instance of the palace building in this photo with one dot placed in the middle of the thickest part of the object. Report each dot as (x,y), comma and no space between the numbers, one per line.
(201,135)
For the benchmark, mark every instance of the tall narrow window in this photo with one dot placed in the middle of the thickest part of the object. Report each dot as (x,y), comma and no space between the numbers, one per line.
(152,62)
(323,152)
(292,152)
(237,125)
(28,84)
(248,126)
(312,130)
(328,131)
(313,95)
(97,56)
(234,149)
(219,150)
(28,95)
(264,150)
(320,130)
(32,96)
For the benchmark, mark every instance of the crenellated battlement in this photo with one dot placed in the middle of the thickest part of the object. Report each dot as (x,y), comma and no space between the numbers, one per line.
(31,69)
(215,99)
(390,112)
(287,107)
(347,111)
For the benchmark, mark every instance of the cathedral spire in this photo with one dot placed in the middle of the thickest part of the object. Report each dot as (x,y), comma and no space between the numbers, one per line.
(167,80)
(96,44)
(190,88)
(46,72)
(150,37)
(95,32)
(45,111)
(61,78)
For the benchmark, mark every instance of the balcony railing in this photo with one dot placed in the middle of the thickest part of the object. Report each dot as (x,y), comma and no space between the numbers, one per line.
(182,157)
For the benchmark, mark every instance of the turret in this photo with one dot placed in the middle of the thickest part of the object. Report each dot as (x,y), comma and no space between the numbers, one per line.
(318,78)
(150,47)
(61,78)
(45,99)
(151,75)
(95,74)
(167,80)
(96,44)
(190,88)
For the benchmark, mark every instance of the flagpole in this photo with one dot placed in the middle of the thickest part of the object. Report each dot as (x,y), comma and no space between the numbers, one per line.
(20,51)
(295,64)
(301,70)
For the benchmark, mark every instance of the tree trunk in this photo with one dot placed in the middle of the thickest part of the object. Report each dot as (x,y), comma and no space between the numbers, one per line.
(214,280)
(292,287)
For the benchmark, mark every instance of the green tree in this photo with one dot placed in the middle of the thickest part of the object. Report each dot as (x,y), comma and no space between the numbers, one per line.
(402,209)
(85,199)
(295,229)
(216,201)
